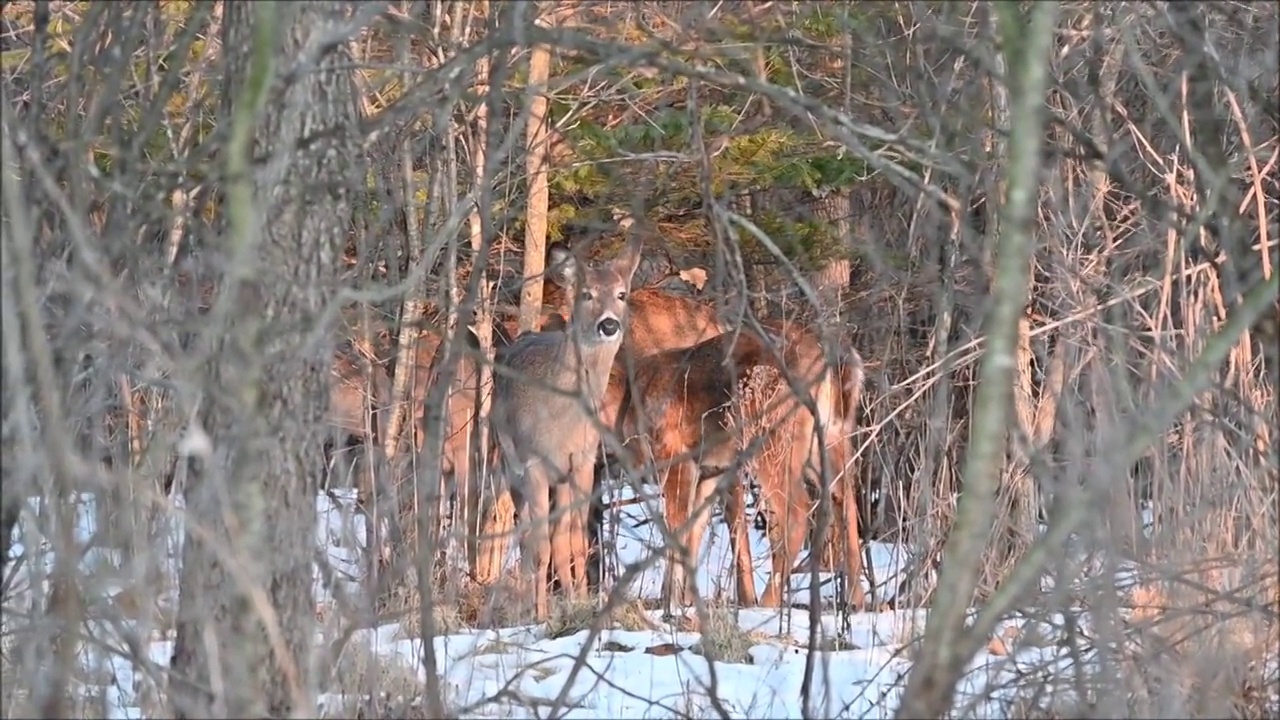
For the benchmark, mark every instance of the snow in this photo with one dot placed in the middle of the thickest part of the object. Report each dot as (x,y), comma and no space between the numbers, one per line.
(522,672)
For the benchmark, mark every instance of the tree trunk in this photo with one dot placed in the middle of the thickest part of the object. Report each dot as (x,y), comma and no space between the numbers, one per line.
(246,618)
(412,311)
(828,283)
(1018,502)
(497,517)
(414,307)
(835,209)
(535,229)
(16,423)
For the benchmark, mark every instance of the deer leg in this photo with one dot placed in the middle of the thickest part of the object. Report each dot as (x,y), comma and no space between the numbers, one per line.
(582,482)
(487,523)
(466,504)
(773,503)
(562,537)
(677,486)
(774,492)
(740,544)
(848,528)
(535,556)
(704,491)
(595,532)
(789,539)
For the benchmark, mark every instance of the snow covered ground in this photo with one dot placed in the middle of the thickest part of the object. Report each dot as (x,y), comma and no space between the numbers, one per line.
(654,673)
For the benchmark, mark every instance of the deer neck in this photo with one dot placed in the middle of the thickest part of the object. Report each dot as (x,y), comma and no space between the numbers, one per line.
(593,361)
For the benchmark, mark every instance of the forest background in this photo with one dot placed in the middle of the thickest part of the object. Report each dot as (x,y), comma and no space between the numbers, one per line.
(1050,229)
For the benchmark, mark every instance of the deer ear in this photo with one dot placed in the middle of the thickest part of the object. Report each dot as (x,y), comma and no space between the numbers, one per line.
(629,260)
(561,265)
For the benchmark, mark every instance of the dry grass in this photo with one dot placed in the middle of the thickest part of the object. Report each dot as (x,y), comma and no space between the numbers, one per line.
(1189,640)
(81,700)
(370,686)
(1202,652)
(1209,678)
(632,615)
(723,638)
(449,617)
(501,604)
(465,604)
(360,667)
(569,617)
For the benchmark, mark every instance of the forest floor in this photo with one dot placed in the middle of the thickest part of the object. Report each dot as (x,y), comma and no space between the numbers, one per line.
(748,663)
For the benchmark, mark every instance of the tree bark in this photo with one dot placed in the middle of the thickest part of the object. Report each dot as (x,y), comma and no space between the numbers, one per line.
(835,209)
(246,615)
(535,229)
(828,281)
(497,516)
(1018,502)
(948,645)
(412,311)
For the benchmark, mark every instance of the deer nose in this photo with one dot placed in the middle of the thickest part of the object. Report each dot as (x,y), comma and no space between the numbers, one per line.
(608,328)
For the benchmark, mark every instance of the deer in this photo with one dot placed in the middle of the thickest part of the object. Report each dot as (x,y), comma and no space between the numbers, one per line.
(660,321)
(348,411)
(459,482)
(668,325)
(349,417)
(358,403)
(780,465)
(680,412)
(545,415)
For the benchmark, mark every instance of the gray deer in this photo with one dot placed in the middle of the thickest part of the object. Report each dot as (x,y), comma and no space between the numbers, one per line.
(546,418)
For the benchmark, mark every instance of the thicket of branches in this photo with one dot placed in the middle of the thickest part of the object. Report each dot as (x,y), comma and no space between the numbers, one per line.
(1049,229)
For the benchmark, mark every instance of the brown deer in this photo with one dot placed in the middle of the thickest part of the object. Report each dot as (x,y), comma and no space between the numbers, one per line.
(680,412)
(462,402)
(779,465)
(666,324)
(548,437)
(350,397)
(351,390)
(660,321)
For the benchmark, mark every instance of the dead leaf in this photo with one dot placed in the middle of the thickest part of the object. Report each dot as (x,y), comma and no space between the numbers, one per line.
(997,647)
(663,650)
(697,277)
(1001,644)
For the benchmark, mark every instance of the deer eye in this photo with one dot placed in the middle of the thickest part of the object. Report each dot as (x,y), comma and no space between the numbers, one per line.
(622,295)
(584,296)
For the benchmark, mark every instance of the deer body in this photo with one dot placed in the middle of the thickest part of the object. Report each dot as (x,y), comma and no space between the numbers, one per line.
(686,408)
(691,403)
(546,417)
(791,455)
(351,390)
(350,400)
